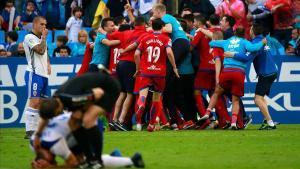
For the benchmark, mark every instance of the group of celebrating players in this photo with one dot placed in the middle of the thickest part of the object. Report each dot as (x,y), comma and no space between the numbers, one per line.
(154,60)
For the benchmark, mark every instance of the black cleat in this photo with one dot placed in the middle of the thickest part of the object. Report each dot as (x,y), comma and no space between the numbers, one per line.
(120,126)
(138,160)
(233,128)
(112,126)
(267,127)
(227,125)
(28,134)
(248,121)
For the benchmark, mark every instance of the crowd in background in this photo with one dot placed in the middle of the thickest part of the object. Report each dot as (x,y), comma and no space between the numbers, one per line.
(281,17)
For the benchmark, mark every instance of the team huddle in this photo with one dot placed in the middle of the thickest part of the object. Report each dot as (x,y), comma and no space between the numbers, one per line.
(145,61)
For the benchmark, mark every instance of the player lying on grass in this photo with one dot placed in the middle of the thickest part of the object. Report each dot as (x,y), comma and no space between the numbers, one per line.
(90,94)
(57,140)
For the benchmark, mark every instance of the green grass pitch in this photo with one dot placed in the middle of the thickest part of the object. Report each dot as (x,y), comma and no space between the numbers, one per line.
(210,149)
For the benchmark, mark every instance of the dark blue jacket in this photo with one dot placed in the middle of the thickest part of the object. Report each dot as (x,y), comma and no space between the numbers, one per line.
(262,60)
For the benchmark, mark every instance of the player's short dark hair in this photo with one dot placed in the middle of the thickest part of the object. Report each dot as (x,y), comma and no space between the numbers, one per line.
(48,108)
(187,9)
(201,19)
(30,1)
(119,20)
(157,24)
(92,33)
(77,9)
(214,19)
(62,38)
(258,29)
(66,48)
(13,35)
(37,18)
(124,27)
(139,21)
(240,32)
(230,20)
(183,24)
(189,17)
(10,1)
(105,21)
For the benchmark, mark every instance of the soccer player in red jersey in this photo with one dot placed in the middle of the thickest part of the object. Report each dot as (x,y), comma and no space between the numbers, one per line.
(218,55)
(150,60)
(115,50)
(126,69)
(282,19)
(205,78)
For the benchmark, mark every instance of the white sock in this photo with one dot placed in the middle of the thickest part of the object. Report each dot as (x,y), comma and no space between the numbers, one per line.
(31,119)
(116,162)
(270,123)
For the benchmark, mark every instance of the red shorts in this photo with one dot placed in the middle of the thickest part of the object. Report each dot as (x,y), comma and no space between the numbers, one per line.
(232,80)
(205,80)
(142,82)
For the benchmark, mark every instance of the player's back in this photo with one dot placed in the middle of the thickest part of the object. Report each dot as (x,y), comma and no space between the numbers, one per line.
(58,127)
(130,37)
(154,55)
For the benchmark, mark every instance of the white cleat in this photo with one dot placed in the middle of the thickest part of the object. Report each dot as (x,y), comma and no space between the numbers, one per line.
(138,127)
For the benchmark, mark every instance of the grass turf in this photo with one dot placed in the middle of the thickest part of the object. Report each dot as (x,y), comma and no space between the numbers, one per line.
(183,149)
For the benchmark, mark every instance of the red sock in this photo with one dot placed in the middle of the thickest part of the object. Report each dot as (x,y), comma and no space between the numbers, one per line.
(200,105)
(161,113)
(234,118)
(178,118)
(222,112)
(240,120)
(141,102)
(154,111)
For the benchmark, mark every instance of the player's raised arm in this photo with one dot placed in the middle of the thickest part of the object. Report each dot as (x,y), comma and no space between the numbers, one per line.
(40,25)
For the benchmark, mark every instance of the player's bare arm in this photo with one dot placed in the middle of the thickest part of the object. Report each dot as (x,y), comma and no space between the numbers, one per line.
(167,28)
(137,60)
(110,42)
(172,61)
(41,48)
(129,48)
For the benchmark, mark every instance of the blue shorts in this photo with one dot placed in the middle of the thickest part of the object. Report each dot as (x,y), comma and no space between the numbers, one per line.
(37,85)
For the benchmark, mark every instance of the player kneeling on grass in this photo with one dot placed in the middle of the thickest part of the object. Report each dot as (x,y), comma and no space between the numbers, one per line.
(150,60)
(57,140)
(90,94)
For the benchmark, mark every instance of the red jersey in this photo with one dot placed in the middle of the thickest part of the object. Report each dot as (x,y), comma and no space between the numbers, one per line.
(87,57)
(201,42)
(130,37)
(154,55)
(283,16)
(114,50)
